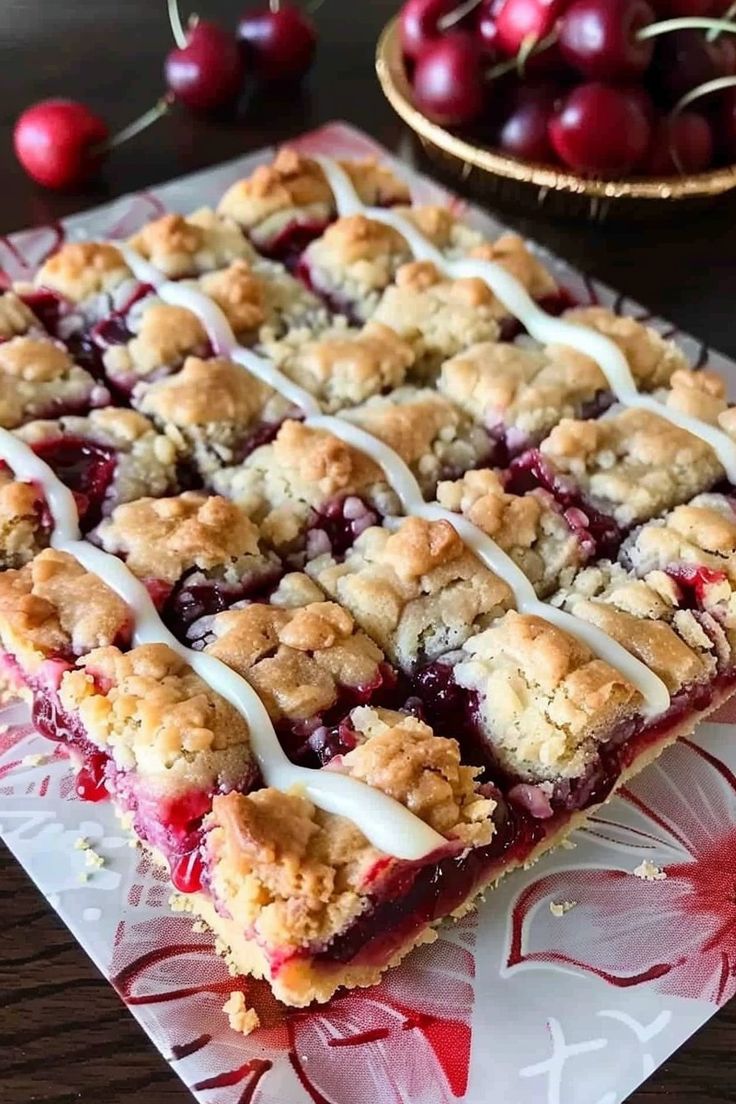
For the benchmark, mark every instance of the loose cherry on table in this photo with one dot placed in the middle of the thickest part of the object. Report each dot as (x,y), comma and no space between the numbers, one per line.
(600,130)
(280,40)
(448,79)
(62,143)
(205,69)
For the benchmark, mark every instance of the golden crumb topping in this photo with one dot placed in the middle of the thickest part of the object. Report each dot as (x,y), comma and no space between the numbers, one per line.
(344,367)
(53,606)
(634,464)
(239,293)
(652,359)
(204,391)
(545,700)
(186,246)
(15,317)
(512,253)
(528,527)
(164,537)
(82,269)
(165,336)
(296,658)
(155,715)
(417,592)
(298,876)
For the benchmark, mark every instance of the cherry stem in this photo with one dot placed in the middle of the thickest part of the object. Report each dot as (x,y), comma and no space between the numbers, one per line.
(717,85)
(530,47)
(459,13)
(712,34)
(139,124)
(684,23)
(177,28)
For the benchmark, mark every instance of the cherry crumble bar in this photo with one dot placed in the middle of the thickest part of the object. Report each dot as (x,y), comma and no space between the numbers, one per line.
(491,666)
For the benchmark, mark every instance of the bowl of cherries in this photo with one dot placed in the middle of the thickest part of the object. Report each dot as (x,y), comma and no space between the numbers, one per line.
(608,107)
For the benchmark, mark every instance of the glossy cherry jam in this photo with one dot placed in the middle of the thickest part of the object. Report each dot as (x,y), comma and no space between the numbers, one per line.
(85,467)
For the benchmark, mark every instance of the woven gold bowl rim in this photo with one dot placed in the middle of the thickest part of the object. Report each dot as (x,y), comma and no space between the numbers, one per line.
(397,89)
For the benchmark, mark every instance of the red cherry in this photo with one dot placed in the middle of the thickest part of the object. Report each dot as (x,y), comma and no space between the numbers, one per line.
(668,9)
(680,143)
(524,131)
(281,41)
(726,129)
(419,23)
(598,38)
(682,61)
(485,26)
(60,142)
(448,82)
(601,130)
(206,71)
(519,20)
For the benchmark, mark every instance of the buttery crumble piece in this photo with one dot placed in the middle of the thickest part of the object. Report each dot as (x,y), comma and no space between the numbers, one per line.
(418,591)
(436,316)
(283,485)
(163,538)
(433,437)
(145,461)
(80,270)
(241,1018)
(163,337)
(38,378)
(518,392)
(354,261)
(633,464)
(292,190)
(296,876)
(23,531)
(653,359)
(16,318)
(545,701)
(530,528)
(511,252)
(560,908)
(296,658)
(644,616)
(342,367)
(647,871)
(188,245)
(154,715)
(53,607)
(210,410)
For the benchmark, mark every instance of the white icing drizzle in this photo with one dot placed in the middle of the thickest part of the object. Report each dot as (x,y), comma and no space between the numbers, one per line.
(386,823)
(656,698)
(543,327)
(508,290)
(218,328)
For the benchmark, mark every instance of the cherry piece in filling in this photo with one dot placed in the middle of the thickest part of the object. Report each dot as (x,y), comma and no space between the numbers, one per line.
(90,784)
(87,469)
(187,872)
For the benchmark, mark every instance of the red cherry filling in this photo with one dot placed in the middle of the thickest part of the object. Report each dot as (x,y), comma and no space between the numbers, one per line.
(187,872)
(91,778)
(48,306)
(288,245)
(338,525)
(196,596)
(694,580)
(532,470)
(86,468)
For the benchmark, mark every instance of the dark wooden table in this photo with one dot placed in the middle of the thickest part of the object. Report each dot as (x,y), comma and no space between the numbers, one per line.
(64,1035)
